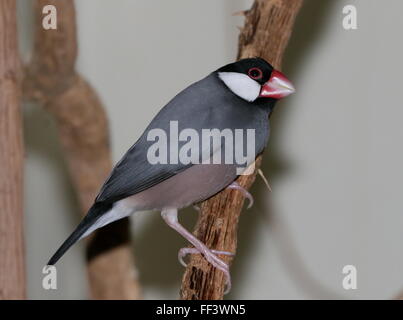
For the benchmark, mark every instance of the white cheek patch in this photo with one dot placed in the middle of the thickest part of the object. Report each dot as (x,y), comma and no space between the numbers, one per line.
(240,84)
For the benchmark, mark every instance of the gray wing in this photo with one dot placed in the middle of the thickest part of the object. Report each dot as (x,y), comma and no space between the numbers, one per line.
(134,174)
(205,104)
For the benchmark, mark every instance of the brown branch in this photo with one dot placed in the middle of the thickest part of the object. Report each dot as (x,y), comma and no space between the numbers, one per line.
(268,27)
(51,80)
(12,266)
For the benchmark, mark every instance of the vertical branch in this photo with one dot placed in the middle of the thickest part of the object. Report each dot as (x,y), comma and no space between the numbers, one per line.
(12,269)
(51,80)
(268,27)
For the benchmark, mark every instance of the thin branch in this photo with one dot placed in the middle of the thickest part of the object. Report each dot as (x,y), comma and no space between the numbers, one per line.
(51,80)
(268,27)
(12,265)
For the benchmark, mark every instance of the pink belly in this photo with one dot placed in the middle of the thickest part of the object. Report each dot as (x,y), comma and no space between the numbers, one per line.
(193,185)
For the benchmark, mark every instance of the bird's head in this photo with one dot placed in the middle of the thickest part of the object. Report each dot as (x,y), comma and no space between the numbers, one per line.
(255,78)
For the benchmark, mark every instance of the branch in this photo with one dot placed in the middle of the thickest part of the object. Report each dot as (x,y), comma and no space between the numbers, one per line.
(268,27)
(12,266)
(51,80)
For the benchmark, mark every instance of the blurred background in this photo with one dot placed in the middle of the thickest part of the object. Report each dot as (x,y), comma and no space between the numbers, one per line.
(333,161)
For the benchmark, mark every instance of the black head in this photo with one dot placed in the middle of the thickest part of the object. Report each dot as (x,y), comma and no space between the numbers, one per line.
(255,78)
(256,68)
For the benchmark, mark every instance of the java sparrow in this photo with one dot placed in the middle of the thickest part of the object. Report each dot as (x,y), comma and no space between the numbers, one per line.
(239,95)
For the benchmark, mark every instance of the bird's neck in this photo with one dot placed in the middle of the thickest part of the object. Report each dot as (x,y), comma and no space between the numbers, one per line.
(266,104)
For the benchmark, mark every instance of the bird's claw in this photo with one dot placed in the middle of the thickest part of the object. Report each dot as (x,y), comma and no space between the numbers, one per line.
(211,257)
(183,252)
(235,185)
(171,218)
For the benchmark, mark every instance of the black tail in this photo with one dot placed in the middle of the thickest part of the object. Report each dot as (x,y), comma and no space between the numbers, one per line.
(92,216)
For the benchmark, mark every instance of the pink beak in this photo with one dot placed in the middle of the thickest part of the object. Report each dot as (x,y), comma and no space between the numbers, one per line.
(277,87)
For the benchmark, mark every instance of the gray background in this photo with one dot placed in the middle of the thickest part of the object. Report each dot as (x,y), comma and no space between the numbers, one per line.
(333,161)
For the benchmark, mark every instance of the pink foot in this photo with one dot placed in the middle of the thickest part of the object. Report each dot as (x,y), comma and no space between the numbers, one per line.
(185,251)
(171,218)
(235,185)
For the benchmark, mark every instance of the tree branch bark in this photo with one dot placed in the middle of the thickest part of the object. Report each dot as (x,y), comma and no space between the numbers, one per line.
(12,265)
(268,27)
(51,80)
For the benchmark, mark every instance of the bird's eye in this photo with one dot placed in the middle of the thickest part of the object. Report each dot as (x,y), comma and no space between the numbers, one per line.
(255,73)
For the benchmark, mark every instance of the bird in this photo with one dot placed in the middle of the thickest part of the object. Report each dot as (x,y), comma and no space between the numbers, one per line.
(238,96)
